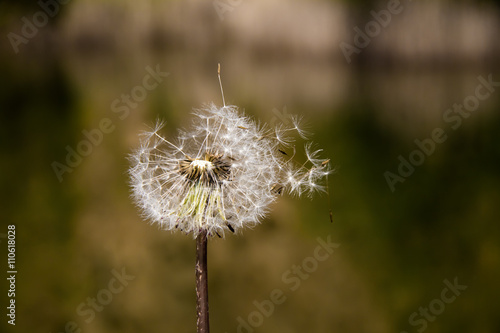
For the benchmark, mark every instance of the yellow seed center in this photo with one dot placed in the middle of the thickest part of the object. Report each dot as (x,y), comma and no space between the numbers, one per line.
(202,165)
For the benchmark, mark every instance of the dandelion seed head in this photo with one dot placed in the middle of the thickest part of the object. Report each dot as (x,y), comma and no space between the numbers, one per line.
(221,174)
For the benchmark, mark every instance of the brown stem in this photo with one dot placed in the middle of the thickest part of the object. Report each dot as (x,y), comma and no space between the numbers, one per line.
(201,283)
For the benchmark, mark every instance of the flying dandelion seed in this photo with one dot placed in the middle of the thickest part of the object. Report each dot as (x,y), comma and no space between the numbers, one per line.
(221,174)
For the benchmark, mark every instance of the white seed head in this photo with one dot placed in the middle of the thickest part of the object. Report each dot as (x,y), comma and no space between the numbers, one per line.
(222,174)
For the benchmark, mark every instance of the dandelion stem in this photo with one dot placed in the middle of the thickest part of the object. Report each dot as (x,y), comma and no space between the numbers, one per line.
(202,283)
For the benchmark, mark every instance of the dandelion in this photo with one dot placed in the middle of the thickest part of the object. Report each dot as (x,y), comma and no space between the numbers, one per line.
(220,175)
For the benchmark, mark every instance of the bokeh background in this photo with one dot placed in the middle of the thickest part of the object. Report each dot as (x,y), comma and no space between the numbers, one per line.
(278,57)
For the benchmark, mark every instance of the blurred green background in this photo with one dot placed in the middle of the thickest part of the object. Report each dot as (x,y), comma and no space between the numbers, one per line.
(278,57)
